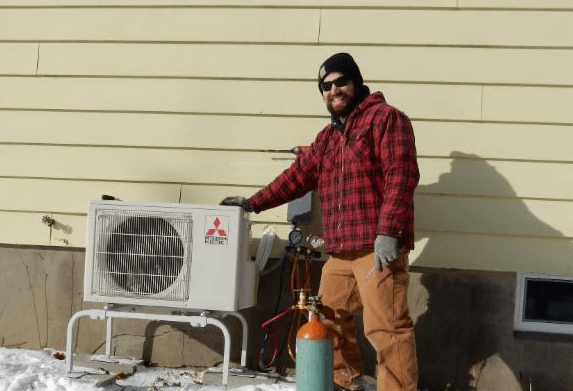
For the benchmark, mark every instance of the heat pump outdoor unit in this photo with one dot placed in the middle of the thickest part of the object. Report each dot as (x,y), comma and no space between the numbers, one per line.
(186,256)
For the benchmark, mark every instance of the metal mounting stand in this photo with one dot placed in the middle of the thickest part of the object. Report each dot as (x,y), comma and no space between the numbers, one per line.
(205,318)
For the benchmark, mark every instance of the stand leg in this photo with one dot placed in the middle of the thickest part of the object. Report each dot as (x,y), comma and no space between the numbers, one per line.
(70,341)
(227,349)
(94,314)
(109,337)
(244,346)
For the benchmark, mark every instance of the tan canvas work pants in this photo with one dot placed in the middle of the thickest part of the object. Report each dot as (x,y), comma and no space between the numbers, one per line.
(348,285)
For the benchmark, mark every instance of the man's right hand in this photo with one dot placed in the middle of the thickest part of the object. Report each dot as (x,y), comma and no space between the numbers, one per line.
(237,201)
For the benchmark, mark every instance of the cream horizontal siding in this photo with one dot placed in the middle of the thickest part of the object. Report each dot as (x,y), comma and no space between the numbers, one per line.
(274,133)
(181,60)
(23,196)
(250,3)
(167,166)
(494,216)
(466,65)
(193,101)
(18,59)
(449,65)
(55,194)
(466,178)
(501,4)
(159,95)
(23,209)
(176,166)
(457,102)
(219,96)
(493,252)
(389,26)
(513,141)
(24,228)
(486,215)
(436,27)
(237,132)
(516,4)
(261,133)
(469,175)
(532,104)
(159,24)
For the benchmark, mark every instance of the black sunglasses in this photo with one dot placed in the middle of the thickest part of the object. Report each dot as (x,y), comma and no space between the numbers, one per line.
(340,82)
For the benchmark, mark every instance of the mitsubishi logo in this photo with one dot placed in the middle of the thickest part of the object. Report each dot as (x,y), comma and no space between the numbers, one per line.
(218,231)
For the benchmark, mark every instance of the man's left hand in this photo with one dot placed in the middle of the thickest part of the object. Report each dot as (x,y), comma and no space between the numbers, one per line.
(385,251)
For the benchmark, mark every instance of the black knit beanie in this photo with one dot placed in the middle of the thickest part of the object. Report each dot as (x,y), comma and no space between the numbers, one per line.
(343,63)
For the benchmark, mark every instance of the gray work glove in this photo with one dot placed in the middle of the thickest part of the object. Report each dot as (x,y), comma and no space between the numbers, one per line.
(237,201)
(385,251)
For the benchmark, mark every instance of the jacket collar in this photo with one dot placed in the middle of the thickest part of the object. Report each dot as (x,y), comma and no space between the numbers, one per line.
(364,101)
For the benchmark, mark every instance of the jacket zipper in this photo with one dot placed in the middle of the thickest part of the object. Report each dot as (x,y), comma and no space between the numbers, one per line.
(343,139)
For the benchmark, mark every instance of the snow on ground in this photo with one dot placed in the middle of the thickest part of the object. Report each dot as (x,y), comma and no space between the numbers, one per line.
(39,370)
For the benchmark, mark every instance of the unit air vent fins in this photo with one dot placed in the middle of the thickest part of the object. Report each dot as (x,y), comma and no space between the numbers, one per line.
(142,254)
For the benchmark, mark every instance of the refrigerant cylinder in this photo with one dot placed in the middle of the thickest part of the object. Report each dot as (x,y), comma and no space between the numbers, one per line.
(314,357)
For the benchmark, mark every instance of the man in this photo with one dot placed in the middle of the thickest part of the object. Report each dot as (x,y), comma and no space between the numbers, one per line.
(364,168)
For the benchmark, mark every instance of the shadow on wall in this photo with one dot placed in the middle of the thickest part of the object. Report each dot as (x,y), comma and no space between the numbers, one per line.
(465,332)
(506,231)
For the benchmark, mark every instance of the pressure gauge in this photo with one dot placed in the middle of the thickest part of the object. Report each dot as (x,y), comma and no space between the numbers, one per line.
(295,237)
(316,242)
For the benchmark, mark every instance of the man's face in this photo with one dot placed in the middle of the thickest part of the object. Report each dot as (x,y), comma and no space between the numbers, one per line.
(339,100)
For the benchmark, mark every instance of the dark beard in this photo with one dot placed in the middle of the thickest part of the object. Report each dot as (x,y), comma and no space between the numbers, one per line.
(346,110)
(343,112)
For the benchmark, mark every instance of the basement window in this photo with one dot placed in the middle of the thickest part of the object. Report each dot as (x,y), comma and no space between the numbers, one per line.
(544,304)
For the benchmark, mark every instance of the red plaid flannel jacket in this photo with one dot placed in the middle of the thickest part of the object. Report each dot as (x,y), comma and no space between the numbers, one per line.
(365,177)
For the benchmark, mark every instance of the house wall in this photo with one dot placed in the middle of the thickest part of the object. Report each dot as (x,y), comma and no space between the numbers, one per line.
(190,101)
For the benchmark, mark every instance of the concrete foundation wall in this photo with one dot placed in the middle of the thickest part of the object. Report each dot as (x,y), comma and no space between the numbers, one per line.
(463,324)
(464,331)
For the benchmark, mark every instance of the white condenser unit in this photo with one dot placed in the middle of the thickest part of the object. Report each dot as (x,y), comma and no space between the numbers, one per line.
(186,256)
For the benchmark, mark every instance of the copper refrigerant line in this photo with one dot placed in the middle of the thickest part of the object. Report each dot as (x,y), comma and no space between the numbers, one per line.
(297,314)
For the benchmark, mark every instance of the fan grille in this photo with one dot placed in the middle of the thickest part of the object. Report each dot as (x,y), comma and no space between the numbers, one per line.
(142,255)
